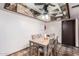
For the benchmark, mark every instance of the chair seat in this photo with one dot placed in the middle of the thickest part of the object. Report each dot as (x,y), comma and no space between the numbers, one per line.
(40,48)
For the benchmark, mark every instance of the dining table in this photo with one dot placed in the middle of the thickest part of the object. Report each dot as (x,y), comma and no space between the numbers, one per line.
(40,42)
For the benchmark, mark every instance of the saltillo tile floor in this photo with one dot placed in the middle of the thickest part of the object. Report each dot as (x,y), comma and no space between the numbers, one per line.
(61,50)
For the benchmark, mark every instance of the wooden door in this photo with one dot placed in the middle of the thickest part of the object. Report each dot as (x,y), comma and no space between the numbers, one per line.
(68,32)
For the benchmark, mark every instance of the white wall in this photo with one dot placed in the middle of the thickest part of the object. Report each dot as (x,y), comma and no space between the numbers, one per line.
(74,12)
(2,6)
(16,31)
(54,27)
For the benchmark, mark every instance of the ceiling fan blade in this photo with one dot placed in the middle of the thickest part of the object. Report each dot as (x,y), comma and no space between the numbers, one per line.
(39,3)
(51,4)
(45,7)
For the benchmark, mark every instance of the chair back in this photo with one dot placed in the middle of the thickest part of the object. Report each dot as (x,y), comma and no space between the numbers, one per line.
(51,43)
(56,43)
(52,36)
(39,35)
(33,36)
(36,36)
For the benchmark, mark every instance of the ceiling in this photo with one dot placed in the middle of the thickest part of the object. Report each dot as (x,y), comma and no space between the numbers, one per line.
(53,10)
(43,11)
(39,7)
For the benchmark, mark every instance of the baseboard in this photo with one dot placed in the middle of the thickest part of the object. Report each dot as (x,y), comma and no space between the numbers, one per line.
(17,51)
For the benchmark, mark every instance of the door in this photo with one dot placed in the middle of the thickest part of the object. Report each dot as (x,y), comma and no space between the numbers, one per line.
(68,32)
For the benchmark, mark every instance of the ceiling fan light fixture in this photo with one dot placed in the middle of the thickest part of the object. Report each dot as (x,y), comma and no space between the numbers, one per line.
(43,17)
(47,17)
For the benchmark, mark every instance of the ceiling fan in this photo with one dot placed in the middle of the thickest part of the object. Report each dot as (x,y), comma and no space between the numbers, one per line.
(45,6)
(54,14)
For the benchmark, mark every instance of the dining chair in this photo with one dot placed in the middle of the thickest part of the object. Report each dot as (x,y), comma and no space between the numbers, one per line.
(56,46)
(36,36)
(58,50)
(52,36)
(51,47)
(34,47)
(49,50)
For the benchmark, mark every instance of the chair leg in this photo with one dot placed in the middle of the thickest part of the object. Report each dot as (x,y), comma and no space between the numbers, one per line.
(35,51)
(38,53)
(50,53)
(54,52)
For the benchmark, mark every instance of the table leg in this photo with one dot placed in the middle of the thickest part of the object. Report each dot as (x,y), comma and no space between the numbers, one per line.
(45,51)
(30,48)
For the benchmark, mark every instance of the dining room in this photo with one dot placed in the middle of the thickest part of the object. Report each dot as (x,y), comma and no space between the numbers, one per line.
(39,29)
